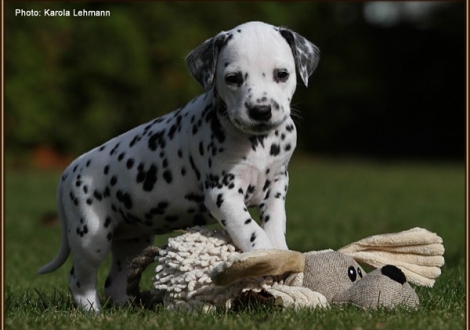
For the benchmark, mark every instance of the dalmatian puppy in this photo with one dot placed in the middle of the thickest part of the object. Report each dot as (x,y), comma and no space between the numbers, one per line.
(226,150)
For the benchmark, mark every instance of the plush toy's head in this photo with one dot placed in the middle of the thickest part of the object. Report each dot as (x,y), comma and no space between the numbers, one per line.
(384,287)
(333,276)
(342,280)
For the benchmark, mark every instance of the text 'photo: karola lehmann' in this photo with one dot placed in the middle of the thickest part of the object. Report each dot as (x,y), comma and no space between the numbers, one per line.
(63,12)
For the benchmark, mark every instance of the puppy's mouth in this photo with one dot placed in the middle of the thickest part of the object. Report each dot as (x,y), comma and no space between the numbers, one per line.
(256,128)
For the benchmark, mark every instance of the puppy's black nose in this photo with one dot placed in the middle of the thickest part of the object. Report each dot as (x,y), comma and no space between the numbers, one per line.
(260,112)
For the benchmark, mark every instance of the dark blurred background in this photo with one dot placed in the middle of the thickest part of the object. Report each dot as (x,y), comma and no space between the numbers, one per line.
(390,83)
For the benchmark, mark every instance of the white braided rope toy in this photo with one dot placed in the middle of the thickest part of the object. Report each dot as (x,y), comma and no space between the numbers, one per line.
(190,261)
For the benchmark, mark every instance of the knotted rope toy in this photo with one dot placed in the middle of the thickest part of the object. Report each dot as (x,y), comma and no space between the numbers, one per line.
(202,270)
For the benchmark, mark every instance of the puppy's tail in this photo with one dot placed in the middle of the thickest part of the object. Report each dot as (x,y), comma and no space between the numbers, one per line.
(64,251)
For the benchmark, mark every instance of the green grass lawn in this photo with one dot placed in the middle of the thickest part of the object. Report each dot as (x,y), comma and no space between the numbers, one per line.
(330,203)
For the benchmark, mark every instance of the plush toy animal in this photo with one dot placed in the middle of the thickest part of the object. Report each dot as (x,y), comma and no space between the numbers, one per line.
(202,270)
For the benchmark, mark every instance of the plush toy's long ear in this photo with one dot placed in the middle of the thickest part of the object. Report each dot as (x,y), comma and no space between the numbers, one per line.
(417,252)
(258,263)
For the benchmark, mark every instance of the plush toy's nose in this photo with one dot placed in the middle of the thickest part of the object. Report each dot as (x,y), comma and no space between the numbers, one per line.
(394,273)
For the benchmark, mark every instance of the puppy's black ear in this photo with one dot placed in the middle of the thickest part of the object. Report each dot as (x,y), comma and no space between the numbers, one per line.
(202,61)
(306,54)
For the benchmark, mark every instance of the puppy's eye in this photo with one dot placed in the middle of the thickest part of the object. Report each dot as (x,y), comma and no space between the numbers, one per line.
(234,79)
(281,75)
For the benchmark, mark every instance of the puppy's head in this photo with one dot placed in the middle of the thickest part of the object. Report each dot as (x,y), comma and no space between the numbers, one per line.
(253,69)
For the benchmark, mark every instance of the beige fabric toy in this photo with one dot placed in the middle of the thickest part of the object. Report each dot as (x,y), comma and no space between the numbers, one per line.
(202,270)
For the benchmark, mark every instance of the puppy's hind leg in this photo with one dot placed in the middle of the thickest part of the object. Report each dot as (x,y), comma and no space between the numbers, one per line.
(123,251)
(89,247)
